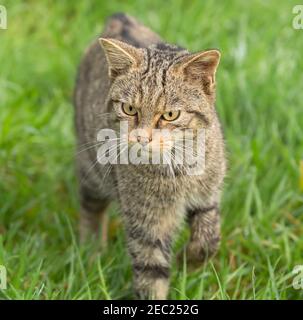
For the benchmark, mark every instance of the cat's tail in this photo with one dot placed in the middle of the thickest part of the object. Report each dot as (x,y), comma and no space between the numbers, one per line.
(126,28)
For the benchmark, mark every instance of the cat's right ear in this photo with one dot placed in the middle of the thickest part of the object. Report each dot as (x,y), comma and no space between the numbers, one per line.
(120,56)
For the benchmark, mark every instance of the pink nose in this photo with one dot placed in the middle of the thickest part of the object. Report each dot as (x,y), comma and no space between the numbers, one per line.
(143,140)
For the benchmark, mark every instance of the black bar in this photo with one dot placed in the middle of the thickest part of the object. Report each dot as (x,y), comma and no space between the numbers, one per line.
(85,309)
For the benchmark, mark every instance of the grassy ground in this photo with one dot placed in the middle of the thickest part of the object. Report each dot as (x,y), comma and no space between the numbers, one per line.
(260,101)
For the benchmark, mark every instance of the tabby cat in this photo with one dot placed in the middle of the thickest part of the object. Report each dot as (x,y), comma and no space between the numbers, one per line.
(130,74)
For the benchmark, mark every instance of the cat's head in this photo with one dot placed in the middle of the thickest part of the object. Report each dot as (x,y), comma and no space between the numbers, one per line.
(161,89)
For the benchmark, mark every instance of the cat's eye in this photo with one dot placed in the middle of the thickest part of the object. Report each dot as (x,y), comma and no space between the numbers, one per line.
(171,115)
(128,109)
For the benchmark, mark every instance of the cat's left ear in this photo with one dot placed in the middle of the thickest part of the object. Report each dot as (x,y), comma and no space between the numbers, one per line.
(201,67)
(120,56)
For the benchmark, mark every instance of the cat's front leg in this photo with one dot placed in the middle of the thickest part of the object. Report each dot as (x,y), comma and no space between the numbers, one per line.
(150,236)
(204,241)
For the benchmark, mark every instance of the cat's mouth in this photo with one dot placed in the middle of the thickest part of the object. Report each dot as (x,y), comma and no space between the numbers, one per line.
(150,153)
(151,146)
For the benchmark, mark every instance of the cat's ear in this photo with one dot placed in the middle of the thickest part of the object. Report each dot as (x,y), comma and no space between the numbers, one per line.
(201,67)
(120,56)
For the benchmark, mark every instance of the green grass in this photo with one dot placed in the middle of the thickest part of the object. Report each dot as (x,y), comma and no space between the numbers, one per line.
(260,100)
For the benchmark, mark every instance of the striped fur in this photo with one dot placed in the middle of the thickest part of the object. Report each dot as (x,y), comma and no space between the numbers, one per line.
(153,202)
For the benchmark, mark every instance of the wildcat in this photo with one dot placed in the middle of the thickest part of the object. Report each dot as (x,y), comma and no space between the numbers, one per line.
(130,74)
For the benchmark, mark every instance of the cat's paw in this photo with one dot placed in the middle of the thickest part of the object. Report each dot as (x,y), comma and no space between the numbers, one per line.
(194,256)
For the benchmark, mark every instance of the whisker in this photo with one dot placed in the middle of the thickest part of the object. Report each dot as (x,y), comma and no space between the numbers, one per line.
(111,166)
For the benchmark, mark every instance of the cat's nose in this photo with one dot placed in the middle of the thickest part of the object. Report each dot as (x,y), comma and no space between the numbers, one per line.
(143,140)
